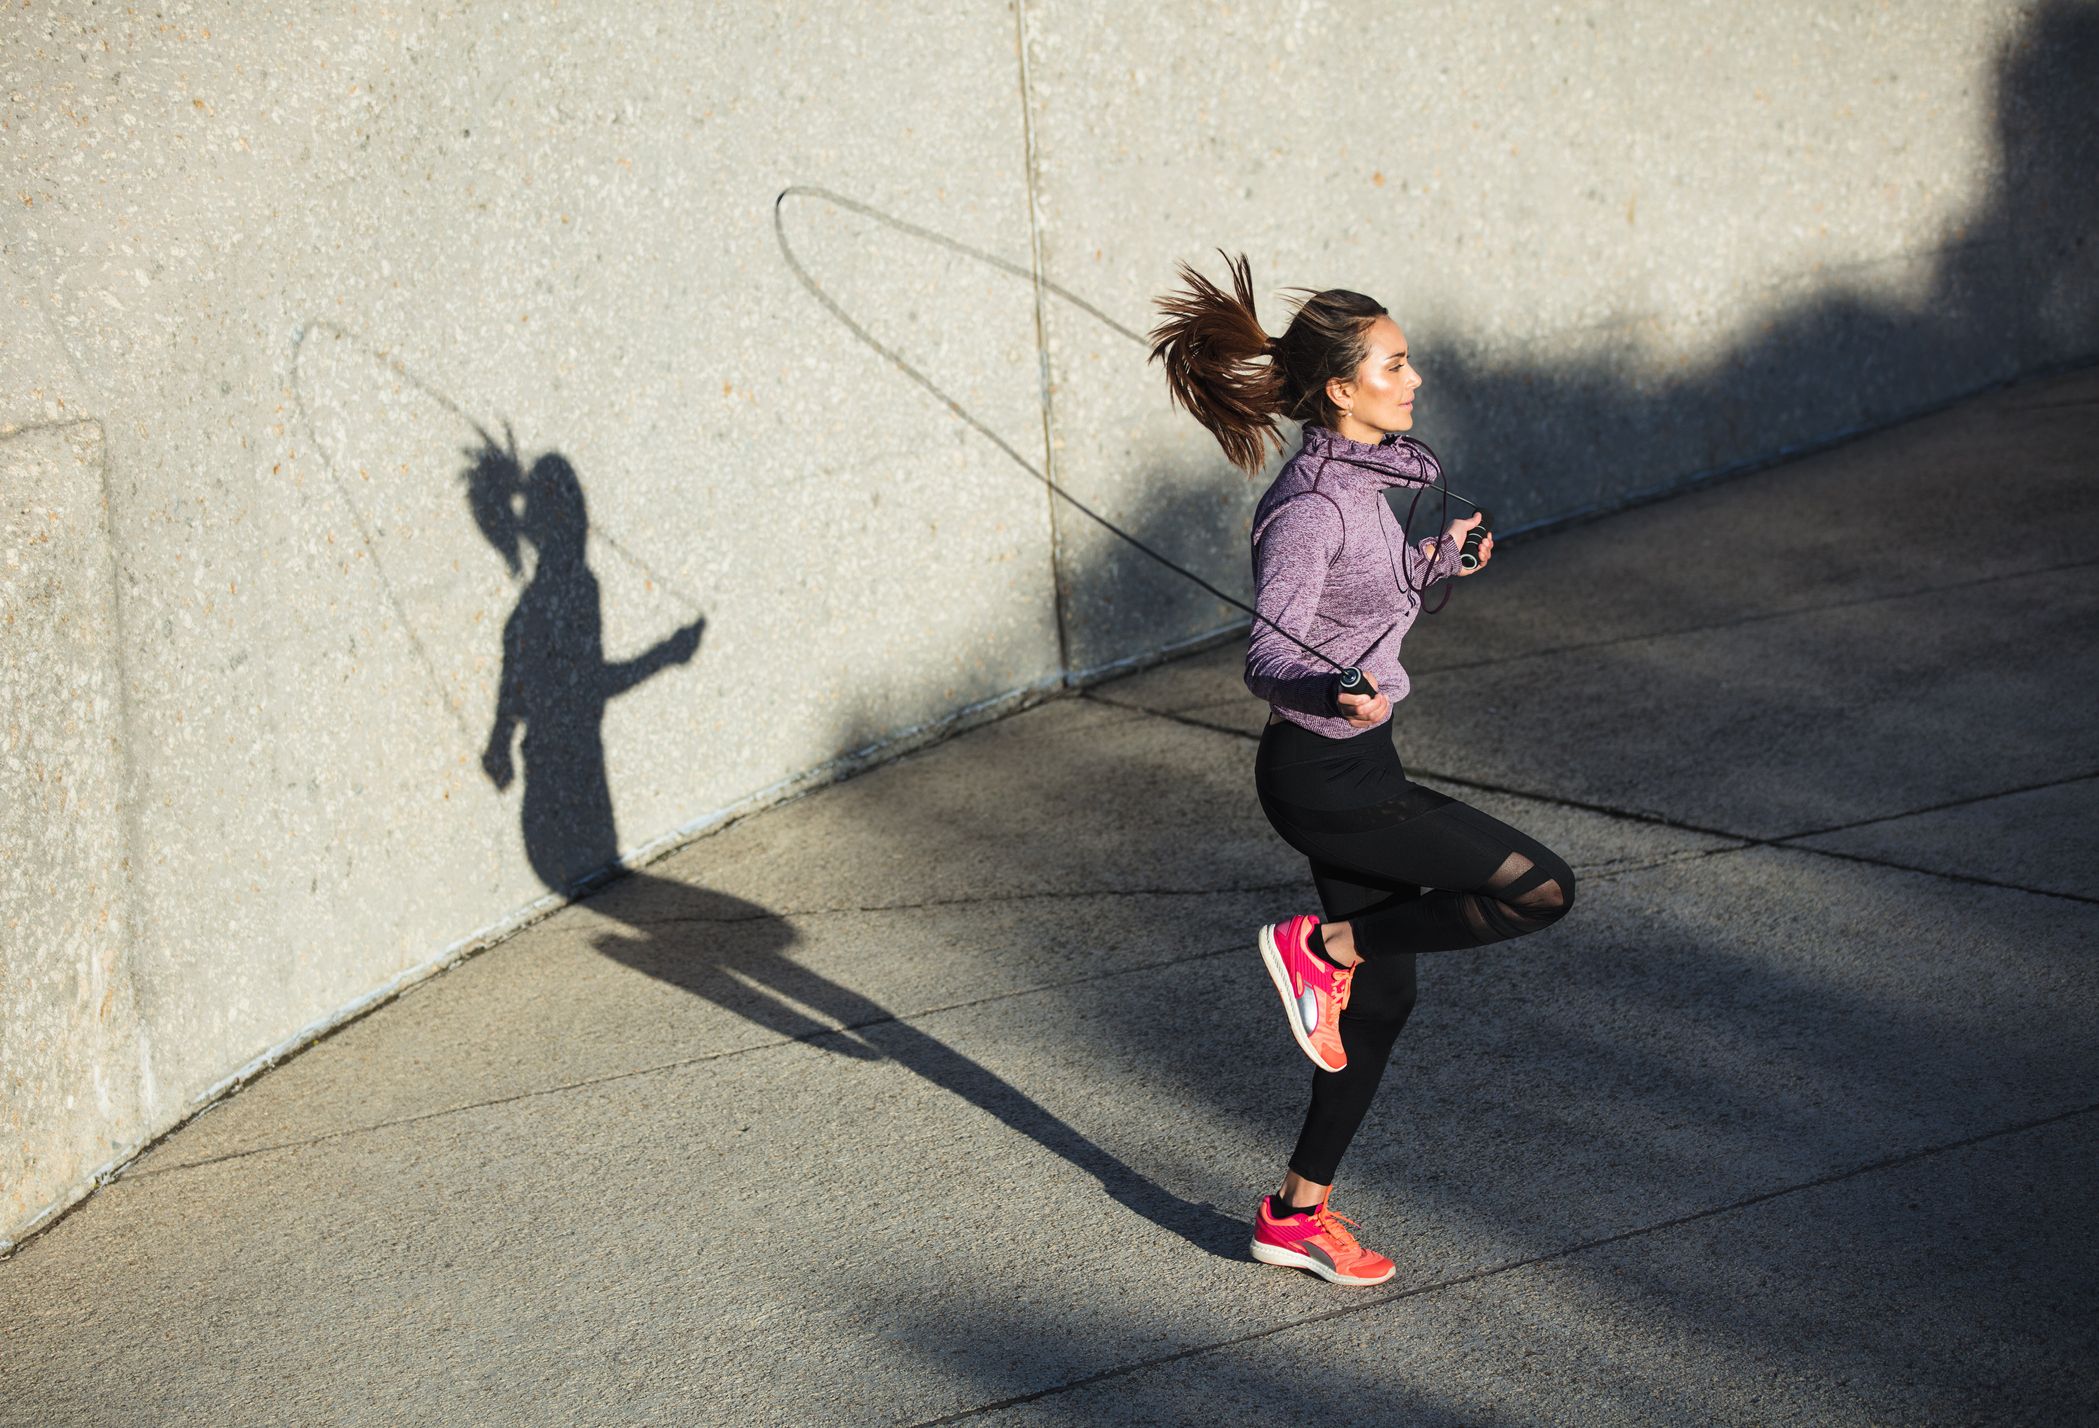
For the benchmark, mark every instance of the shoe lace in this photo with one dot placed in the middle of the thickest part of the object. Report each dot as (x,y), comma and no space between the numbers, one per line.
(1336,1224)
(1343,979)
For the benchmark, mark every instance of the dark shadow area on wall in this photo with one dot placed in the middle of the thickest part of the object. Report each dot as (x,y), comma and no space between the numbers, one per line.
(554,686)
(2015,287)
(2011,288)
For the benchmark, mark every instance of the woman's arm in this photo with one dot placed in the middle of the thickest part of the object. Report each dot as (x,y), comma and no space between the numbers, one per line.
(675,648)
(510,706)
(1292,554)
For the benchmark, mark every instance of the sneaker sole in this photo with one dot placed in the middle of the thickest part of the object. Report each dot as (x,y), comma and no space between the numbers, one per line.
(1291,1259)
(1273,961)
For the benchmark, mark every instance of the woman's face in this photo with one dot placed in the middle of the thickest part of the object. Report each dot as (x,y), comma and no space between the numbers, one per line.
(1381,396)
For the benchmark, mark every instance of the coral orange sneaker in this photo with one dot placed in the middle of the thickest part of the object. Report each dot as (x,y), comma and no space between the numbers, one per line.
(1313,989)
(1317,1240)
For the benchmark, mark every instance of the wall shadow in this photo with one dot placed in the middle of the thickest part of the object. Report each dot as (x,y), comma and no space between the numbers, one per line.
(2012,287)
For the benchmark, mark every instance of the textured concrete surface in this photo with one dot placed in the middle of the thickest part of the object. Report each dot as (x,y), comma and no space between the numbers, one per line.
(294,264)
(530,436)
(67,1018)
(944,1093)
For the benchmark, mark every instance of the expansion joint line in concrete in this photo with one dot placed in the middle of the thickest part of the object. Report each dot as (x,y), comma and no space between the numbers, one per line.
(1596,875)
(1760,617)
(1420,1291)
(1941,807)
(1736,841)
(1786,841)
(809,1038)
(1052,895)
(1029,178)
(972,900)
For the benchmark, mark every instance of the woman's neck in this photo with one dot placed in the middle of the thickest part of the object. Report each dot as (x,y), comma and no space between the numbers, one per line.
(1355,430)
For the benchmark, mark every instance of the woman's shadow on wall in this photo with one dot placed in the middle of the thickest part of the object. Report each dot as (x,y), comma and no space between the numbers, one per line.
(555,684)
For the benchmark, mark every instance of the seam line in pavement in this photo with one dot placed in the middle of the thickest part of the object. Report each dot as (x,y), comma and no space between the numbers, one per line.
(807,1037)
(1739,841)
(1939,807)
(1759,617)
(1595,873)
(972,901)
(1892,1162)
(1097,697)
(1431,667)
(1975,878)
(1783,842)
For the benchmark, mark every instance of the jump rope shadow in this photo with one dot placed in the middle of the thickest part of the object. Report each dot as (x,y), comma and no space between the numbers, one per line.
(555,685)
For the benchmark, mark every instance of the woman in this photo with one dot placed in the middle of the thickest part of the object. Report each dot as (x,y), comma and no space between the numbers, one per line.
(1399,868)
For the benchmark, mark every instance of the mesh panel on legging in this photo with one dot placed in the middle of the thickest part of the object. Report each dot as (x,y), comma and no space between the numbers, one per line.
(1530,887)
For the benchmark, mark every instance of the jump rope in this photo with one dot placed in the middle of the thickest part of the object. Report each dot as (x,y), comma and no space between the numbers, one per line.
(1352,679)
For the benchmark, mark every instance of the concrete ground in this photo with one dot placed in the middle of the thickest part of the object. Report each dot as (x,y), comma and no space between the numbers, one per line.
(946,1093)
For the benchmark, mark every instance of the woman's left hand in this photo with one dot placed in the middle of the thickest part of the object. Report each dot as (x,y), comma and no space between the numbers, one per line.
(1486,553)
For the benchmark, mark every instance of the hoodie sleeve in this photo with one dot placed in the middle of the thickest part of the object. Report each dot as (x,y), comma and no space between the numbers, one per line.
(1292,552)
(1442,567)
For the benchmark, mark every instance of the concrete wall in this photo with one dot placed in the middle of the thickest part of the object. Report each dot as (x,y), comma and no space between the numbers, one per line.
(768,318)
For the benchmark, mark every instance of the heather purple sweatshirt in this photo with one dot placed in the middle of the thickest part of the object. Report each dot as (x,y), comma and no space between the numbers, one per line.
(1328,563)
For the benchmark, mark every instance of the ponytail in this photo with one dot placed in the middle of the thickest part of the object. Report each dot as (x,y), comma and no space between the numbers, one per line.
(1235,379)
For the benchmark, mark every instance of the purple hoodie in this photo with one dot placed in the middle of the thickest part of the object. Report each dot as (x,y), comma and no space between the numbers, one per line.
(1328,563)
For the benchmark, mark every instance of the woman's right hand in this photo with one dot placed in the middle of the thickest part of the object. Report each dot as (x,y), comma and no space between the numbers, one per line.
(1364,711)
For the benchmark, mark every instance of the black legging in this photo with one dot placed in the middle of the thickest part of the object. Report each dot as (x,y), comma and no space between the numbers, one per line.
(1410,870)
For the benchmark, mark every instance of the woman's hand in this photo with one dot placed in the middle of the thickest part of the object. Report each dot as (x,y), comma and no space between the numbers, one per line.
(1365,711)
(1458,531)
(495,761)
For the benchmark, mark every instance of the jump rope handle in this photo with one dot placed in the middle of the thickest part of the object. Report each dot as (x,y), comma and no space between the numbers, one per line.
(1469,557)
(1354,681)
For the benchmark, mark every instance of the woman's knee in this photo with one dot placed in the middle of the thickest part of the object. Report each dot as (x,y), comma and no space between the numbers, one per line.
(1558,889)
(1540,895)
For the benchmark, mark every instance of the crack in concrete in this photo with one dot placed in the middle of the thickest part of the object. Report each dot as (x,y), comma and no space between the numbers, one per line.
(1379,1301)
(1784,842)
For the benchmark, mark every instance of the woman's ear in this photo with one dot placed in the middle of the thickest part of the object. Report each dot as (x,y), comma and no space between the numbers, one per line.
(1340,393)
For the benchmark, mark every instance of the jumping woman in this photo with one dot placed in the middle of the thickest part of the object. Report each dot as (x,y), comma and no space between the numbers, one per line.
(1399,868)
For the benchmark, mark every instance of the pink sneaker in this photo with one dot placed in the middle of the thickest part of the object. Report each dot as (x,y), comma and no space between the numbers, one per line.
(1313,989)
(1318,1240)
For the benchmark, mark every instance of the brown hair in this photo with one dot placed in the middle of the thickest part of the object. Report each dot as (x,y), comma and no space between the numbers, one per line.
(1235,379)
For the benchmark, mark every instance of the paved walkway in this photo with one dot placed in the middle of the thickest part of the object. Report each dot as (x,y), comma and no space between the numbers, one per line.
(945,1093)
